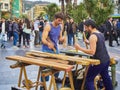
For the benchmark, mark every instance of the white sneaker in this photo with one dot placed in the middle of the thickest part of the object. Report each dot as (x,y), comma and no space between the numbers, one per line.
(15,47)
(23,47)
(27,46)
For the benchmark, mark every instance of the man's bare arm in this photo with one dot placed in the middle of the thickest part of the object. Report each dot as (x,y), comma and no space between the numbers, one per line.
(92,49)
(45,34)
(45,39)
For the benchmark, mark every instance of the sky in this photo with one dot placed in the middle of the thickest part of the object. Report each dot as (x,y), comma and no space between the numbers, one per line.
(54,1)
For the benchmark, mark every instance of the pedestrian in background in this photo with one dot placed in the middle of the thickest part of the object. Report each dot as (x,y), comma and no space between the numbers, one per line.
(41,27)
(36,31)
(10,31)
(15,33)
(3,34)
(118,28)
(20,24)
(26,33)
(71,32)
(115,34)
(109,26)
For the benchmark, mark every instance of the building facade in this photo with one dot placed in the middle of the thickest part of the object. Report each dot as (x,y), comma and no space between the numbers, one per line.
(5,8)
(35,11)
(117,6)
(16,8)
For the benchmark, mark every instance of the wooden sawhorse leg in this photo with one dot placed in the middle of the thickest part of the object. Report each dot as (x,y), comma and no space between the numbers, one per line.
(38,77)
(23,70)
(44,81)
(64,78)
(20,77)
(52,81)
(84,79)
(113,74)
(70,78)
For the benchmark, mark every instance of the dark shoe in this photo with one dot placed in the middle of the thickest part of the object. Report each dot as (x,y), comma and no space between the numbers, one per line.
(118,44)
(42,88)
(2,45)
(111,45)
(58,80)
(19,45)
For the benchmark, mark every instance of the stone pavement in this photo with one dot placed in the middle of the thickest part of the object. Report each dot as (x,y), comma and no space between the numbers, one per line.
(9,77)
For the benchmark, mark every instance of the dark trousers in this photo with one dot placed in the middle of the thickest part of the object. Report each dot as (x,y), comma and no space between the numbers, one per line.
(40,37)
(101,69)
(26,37)
(20,36)
(36,40)
(115,38)
(110,39)
(10,34)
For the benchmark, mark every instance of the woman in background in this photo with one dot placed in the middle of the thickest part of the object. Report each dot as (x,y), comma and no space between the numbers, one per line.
(26,33)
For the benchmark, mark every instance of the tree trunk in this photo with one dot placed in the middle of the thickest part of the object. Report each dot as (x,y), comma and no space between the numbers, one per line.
(62,6)
(75,3)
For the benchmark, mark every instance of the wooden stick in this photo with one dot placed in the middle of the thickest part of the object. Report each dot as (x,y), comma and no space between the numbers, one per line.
(65,35)
(41,62)
(48,39)
(84,38)
(64,57)
(76,40)
(84,79)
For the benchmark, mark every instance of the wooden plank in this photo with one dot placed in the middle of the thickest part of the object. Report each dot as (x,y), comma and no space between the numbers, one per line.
(53,60)
(73,52)
(79,60)
(56,56)
(41,62)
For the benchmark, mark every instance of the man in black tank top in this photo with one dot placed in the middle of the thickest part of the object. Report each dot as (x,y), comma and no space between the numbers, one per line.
(98,50)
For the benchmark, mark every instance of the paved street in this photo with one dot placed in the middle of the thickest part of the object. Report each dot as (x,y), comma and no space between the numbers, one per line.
(9,77)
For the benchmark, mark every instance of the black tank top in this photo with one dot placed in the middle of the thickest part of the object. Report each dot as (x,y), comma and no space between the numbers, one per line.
(101,51)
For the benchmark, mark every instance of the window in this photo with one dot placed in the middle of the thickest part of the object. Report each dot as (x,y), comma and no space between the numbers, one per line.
(1,5)
(6,6)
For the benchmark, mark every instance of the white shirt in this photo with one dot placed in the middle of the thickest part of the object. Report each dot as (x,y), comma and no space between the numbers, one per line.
(3,27)
(36,25)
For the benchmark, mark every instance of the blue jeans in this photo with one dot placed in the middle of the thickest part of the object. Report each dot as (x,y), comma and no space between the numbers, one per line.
(15,38)
(70,39)
(40,40)
(101,69)
(56,74)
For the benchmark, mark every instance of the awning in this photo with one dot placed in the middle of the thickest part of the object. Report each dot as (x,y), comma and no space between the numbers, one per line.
(115,15)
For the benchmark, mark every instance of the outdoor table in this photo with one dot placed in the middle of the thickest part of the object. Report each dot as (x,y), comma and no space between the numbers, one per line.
(42,62)
(76,60)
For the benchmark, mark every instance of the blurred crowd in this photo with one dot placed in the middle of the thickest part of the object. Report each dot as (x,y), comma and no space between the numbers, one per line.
(20,30)
(110,28)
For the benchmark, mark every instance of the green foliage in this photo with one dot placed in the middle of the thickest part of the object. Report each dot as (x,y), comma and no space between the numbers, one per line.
(5,17)
(42,14)
(69,9)
(90,6)
(51,9)
(99,10)
(23,16)
(103,10)
(79,13)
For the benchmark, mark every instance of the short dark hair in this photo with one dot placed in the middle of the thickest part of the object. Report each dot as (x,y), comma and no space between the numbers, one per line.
(59,15)
(90,23)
